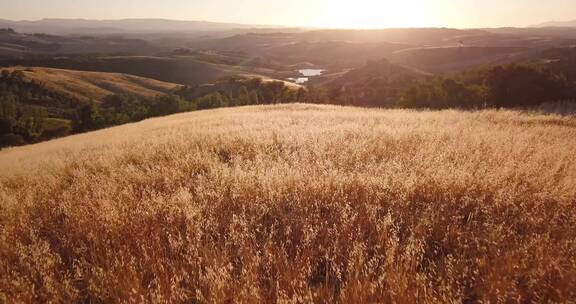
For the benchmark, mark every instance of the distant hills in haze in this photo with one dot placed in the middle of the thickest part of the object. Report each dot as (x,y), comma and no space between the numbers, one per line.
(81,26)
(571,23)
(154,25)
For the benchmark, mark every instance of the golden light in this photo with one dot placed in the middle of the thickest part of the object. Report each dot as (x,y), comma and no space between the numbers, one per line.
(365,14)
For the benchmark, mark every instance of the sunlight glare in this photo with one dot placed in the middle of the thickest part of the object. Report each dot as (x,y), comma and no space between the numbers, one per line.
(366,14)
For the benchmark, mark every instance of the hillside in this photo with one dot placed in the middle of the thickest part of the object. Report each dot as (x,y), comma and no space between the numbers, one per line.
(450,59)
(94,85)
(377,83)
(430,49)
(15,45)
(203,57)
(333,54)
(295,203)
(185,70)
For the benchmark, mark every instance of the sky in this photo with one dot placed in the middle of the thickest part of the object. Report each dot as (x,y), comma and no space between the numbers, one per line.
(314,13)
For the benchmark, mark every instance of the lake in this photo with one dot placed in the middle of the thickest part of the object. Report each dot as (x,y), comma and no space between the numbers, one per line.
(307,73)
(311,72)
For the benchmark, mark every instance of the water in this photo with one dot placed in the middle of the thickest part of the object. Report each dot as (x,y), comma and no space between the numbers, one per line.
(307,73)
(299,80)
(311,72)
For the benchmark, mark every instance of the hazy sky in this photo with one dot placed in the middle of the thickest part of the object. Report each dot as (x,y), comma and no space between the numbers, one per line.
(323,13)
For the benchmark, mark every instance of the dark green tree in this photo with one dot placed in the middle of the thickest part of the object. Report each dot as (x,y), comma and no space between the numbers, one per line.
(169,104)
(254,99)
(211,101)
(524,85)
(89,117)
(243,96)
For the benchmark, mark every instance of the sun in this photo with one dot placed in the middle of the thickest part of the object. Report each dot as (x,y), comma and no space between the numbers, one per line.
(368,14)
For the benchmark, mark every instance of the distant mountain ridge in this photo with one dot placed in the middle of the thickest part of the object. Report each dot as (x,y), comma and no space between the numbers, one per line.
(15,44)
(81,26)
(571,23)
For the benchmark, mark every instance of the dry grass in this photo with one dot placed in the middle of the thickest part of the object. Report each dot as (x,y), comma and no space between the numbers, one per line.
(295,204)
(95,85)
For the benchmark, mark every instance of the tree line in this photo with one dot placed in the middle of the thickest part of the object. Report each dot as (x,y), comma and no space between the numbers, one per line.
(24,109)
(30,113)
(123,108)
(505,86)
(502,86)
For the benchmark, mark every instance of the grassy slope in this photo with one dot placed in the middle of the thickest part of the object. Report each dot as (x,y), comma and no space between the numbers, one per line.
(95,85)
(180,69)
(295,203)
(453,59)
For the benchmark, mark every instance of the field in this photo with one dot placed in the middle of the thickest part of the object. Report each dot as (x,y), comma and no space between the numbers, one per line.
(95,85)
(295,204)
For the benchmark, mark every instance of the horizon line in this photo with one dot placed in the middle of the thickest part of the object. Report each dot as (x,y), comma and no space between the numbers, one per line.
(287,26)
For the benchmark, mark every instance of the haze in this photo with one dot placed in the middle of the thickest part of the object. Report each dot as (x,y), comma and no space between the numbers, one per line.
(317,13)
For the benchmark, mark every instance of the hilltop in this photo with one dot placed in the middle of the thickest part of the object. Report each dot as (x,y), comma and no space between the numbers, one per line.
(295,203)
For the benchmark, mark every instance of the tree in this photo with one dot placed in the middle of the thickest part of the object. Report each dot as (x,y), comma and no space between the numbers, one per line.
(129,106)
(254,83)
(11,140)
(276,90)
(243,96)
(317,94)
(301,95)
(210,101)
(34,122)
(254,99)
(524,85)
(225,100)
(169,104)
(18,75)
(8,107)
(89,117)
(440,93)
(6,126)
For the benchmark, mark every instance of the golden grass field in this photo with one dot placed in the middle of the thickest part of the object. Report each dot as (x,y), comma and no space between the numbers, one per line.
(95,85)
(295,204)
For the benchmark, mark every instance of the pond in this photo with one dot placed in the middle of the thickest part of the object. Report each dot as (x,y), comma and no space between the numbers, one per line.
(307,73)
(311,72)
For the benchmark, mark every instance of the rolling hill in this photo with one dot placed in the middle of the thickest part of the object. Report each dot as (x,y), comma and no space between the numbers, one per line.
(295,203)
(433,49)
(196,59)
(181,70)
(377,83)
(15,44)
(450,59)
(333,54)
(87,26)
(95,86)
